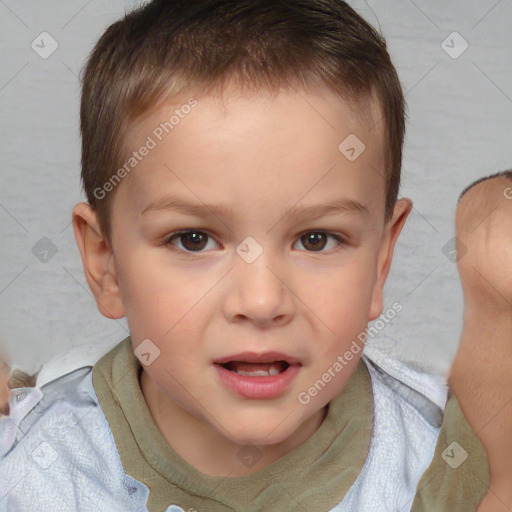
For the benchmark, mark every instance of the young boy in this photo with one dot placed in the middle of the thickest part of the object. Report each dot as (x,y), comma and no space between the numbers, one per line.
(241,161)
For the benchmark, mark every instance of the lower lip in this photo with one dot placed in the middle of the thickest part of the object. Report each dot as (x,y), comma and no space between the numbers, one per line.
(258,387)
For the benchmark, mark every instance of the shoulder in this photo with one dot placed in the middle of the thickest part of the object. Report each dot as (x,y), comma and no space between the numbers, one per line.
(33,408)
(57,451)
(407,414)
(419,418)
(407,388)
(458,476)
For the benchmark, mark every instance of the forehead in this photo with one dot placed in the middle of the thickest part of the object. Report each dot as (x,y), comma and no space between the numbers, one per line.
(231,104)
(228,143)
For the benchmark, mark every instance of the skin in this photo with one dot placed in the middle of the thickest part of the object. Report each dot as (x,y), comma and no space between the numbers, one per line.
(481,375)
(258,155)
(484,232)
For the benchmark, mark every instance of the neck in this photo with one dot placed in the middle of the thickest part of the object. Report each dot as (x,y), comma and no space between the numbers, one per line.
(206,449)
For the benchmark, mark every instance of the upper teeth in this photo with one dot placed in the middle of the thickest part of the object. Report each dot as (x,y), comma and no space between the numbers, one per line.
(259,373)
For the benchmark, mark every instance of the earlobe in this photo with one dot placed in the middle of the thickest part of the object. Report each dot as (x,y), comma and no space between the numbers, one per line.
(98,261)
(401,211)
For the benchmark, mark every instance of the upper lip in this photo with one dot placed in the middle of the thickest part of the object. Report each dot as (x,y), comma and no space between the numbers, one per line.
(254,357)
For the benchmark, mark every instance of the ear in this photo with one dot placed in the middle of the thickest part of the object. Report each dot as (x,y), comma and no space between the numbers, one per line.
(98,260)
(401,211)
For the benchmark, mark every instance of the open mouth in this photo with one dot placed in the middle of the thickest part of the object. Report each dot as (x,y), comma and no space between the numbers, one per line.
(256,369)
(258,376)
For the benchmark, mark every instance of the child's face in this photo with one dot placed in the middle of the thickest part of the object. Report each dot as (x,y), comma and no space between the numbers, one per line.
(250,280)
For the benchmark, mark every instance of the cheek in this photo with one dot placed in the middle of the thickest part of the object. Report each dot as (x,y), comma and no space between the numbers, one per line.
(341,301)
(157,297)
(345,289)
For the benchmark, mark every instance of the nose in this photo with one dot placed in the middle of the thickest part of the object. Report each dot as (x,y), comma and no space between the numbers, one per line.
(259,292)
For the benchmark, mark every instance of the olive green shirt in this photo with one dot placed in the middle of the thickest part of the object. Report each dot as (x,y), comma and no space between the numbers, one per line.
(316,476)
(458,477)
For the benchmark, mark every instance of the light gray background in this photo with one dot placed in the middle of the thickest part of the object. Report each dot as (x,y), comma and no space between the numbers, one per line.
(459,129)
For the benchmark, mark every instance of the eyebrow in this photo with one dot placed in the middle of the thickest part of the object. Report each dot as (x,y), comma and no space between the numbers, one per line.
(340,206)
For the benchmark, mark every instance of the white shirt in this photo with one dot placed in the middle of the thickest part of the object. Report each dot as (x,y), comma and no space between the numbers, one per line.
(58,454)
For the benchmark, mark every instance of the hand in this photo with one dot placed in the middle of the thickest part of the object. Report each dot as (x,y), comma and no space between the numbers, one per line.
(481,374)
(484,244)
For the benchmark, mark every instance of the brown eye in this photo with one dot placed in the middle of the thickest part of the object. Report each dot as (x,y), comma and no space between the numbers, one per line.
(192,241)
(316,241)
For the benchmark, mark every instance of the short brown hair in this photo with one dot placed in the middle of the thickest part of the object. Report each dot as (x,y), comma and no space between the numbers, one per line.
(176,46)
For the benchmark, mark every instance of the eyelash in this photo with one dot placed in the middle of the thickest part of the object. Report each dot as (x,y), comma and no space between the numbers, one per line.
(176,234)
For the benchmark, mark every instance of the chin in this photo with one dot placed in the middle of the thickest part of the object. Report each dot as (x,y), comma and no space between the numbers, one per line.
(264,432)
(257,439)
